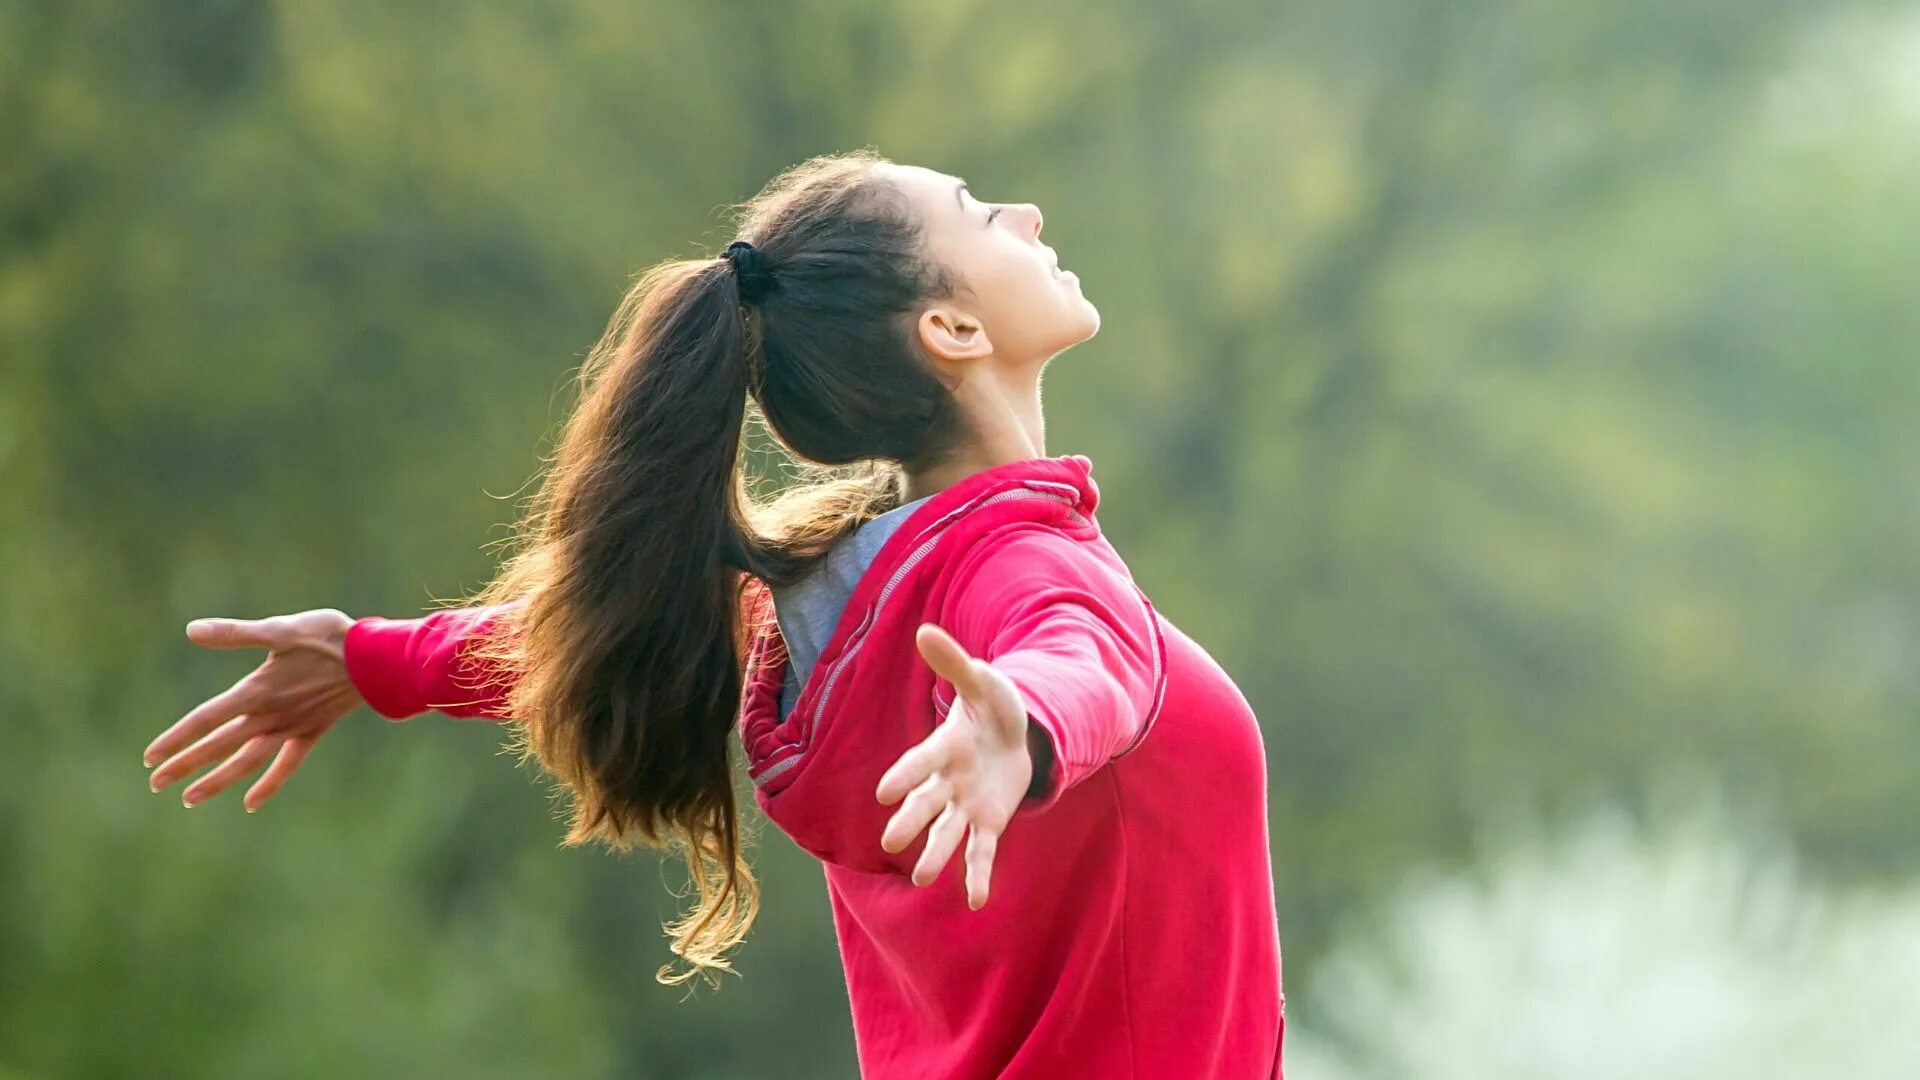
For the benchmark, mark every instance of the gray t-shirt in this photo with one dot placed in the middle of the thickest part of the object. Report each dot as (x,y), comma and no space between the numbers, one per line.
(808,610)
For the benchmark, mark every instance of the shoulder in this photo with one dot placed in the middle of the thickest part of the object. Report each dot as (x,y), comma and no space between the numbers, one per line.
(1027,565)
(1033,551)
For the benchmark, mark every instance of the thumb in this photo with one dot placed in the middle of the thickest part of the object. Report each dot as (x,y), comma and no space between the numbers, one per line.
(948,658)
(235,633)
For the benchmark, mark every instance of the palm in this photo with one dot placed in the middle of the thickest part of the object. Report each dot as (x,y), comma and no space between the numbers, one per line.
(271,717)
(968,777)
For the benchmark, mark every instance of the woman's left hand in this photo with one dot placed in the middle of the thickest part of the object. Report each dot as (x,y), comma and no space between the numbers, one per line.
(969,776)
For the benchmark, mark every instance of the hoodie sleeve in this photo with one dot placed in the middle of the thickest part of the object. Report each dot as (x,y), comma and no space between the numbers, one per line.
(404,667)
(1075,636)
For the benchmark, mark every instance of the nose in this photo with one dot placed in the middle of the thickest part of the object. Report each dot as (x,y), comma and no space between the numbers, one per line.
(1033,214)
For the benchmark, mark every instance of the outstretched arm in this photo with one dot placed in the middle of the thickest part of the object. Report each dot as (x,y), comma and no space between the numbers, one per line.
(1057,667)
(320,666)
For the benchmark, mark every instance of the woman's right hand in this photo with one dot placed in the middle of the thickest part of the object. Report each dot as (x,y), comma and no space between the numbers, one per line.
(276,711)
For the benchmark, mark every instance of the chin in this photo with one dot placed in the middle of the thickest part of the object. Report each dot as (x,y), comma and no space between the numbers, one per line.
(1079,322)
(1090,321)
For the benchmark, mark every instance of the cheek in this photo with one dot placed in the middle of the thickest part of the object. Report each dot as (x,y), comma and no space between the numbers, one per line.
(1008,288)
(1026,307)
(1010,271)
(1029,283)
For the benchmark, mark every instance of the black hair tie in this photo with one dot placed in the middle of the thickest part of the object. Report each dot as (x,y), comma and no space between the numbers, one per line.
(750,271)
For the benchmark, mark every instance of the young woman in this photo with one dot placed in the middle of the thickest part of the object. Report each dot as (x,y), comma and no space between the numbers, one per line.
(934,654)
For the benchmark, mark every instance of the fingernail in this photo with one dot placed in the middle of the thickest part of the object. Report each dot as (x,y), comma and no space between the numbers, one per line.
(187,801)
(251,809)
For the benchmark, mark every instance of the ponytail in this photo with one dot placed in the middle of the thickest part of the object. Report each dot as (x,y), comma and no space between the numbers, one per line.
(627,650)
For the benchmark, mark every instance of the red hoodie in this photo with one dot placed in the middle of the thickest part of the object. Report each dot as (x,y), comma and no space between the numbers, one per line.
(1131,929)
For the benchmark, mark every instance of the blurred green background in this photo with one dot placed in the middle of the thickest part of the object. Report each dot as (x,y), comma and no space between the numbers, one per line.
(1519,400)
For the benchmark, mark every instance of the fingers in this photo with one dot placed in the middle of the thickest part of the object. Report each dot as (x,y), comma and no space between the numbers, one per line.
(272,633)
(981,845)
(222,741)
(243,762)
(913,768)
(927,800)
(210,713)
(292,753)
(238,633)
(949,659)
(942,839)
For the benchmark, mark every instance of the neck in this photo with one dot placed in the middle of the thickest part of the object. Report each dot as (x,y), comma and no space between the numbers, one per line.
(1003,410)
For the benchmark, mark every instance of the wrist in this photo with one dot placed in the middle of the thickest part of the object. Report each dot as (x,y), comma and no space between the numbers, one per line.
(334,644)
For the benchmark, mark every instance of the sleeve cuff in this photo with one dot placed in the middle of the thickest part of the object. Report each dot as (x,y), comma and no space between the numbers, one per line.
(1060,773)
(376,653)
(1055,777)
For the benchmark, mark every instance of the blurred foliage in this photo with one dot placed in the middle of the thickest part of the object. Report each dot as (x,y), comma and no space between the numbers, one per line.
(1514,398)
(1680,941)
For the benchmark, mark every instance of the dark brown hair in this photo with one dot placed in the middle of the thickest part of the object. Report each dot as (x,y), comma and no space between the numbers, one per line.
(634,562)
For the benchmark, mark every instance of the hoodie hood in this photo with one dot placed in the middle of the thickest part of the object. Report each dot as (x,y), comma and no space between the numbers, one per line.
(870,696)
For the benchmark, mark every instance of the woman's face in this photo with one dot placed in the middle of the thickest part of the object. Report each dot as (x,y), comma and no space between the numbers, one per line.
(1012,302)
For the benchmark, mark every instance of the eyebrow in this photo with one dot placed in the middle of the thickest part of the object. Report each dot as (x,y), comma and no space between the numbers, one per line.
(962,187)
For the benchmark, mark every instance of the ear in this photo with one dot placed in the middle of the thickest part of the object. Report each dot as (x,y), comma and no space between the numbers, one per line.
(952,334)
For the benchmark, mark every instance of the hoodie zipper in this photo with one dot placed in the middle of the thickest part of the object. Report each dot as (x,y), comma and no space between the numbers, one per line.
(907,565)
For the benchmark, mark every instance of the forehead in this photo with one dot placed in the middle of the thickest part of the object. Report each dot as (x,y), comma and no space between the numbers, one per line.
(930,189)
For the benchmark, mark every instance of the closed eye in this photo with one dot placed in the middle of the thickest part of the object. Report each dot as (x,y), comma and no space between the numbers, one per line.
(991,214)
